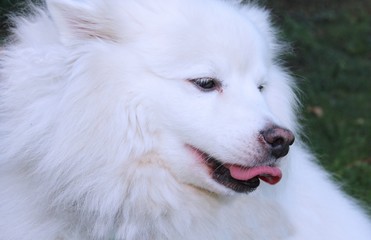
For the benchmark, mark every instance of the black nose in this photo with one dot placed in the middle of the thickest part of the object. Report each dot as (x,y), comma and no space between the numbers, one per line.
(279,140)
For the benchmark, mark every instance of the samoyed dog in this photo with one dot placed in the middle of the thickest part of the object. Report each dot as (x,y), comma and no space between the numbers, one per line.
(166,119)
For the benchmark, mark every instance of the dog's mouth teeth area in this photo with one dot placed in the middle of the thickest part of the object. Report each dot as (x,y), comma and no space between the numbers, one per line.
(236,177)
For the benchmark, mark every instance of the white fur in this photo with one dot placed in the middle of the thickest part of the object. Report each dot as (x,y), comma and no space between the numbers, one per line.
(95,109)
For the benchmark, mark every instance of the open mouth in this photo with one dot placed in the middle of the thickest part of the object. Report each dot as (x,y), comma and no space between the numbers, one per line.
(239,178)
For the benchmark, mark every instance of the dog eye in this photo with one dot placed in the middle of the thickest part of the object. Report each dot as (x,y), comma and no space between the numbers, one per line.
(261,87)
(206,84)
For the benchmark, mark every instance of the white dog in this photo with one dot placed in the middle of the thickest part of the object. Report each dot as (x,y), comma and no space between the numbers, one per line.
(143,119)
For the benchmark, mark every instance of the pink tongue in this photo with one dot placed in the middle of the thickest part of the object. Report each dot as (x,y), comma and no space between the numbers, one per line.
(271,175)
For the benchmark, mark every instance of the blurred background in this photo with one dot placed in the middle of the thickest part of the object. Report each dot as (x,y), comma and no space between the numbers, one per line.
(331,59)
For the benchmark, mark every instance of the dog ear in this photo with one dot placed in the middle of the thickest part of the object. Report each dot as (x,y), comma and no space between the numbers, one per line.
(81,20)
(260,17)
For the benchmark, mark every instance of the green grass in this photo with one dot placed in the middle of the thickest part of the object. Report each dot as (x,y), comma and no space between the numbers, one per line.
(331,41)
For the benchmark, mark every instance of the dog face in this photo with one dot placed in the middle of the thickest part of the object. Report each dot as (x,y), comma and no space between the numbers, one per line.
(202,81)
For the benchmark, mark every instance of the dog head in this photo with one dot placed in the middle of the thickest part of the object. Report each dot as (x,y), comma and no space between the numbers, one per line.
(197,83)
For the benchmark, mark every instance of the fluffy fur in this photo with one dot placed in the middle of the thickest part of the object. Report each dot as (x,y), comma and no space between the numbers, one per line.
(97,106)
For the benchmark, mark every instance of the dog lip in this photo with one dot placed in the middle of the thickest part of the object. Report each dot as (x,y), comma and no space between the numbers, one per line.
(239,178)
